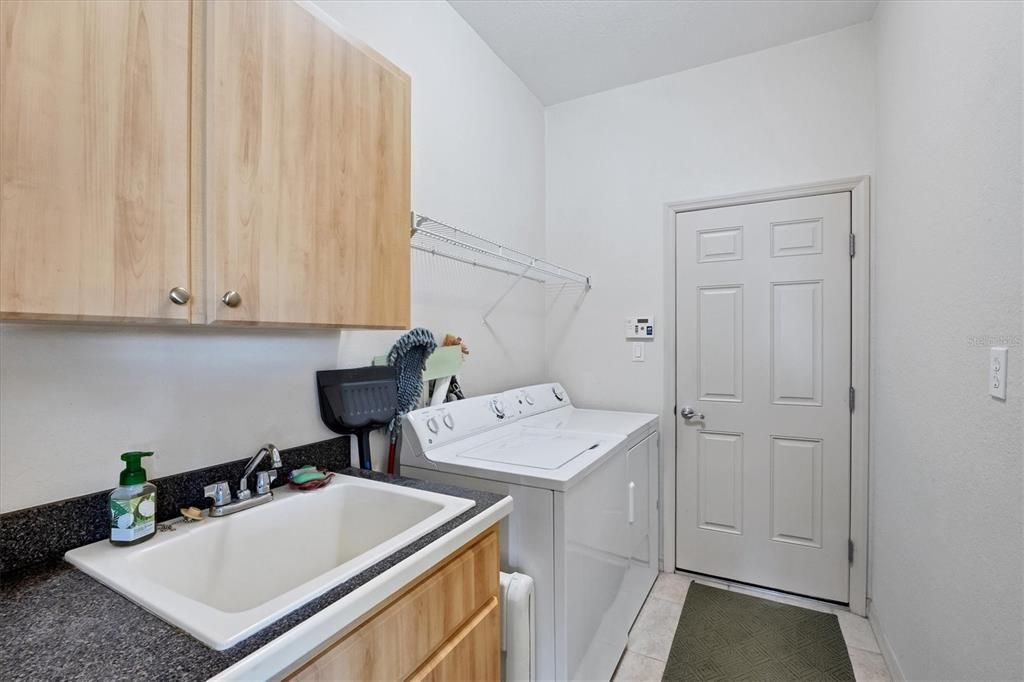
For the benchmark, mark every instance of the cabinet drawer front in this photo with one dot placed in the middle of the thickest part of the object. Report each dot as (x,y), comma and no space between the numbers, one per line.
(472,655)
(396,641)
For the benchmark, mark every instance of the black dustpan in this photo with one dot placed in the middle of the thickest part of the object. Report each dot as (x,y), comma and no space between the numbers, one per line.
(357,401)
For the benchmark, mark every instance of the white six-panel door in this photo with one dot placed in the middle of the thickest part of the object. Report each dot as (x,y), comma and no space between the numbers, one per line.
(763,353)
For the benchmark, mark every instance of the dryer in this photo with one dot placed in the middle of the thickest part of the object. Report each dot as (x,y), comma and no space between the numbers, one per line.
(584,521)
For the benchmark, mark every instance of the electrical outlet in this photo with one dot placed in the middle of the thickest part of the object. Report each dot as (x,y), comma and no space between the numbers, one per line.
(997,373)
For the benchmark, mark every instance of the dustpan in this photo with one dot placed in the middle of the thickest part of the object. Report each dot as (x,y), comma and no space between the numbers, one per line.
(357,401)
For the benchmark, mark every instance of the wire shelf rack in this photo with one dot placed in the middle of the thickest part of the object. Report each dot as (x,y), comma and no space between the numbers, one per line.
(441,239)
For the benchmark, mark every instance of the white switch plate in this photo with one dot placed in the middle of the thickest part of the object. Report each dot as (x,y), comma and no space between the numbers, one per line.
(997,373)
(638,351)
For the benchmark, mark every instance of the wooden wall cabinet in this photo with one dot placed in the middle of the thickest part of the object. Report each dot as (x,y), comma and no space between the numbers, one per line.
(94,123)
(307,162)
(244,147)
(446,626)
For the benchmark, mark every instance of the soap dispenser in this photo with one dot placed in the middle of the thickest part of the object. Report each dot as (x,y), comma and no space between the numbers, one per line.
(133,503)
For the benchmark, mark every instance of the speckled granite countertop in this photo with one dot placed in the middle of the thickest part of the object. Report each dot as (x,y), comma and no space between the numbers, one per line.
(58,623)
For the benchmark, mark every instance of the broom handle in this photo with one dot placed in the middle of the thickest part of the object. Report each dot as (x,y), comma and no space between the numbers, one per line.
(364,450)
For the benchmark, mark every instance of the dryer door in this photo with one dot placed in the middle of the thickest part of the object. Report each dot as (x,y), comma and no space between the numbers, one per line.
(642,512)
(593,614)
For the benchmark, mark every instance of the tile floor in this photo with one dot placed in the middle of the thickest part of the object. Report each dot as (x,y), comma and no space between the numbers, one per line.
(651,636)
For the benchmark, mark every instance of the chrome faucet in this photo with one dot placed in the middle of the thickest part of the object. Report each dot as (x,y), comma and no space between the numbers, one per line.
(263,478)
(220,492)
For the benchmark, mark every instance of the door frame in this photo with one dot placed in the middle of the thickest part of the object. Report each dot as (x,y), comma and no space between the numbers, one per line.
(860,330)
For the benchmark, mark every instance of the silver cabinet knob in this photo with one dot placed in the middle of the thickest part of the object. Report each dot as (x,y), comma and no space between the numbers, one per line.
(179,296)
(232,299)
(689,413)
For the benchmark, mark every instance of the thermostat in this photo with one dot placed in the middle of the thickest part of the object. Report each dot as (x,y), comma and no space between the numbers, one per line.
(640,328)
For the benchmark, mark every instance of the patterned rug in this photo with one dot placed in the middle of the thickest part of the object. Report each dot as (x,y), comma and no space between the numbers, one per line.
(725,635)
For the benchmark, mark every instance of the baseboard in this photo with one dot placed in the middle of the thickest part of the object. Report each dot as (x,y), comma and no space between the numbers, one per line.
(895,672)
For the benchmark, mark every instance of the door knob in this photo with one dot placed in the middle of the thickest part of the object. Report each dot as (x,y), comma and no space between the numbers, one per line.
(179,296)
(232,299)
(689,413)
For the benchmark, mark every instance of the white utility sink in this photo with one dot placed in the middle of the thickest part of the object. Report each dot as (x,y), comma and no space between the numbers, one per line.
(224,579)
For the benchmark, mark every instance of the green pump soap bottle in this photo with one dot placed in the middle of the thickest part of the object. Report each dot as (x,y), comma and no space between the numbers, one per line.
(133,503)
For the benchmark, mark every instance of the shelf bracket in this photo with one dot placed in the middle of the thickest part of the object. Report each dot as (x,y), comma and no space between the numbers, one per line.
(507,292)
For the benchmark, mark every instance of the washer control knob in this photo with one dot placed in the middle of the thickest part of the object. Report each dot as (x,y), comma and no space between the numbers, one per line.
(432,425)
(498,408)
(528,398)
(449,421)
(559,395)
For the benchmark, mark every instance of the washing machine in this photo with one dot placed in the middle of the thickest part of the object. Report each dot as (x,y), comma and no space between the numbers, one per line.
(584,520)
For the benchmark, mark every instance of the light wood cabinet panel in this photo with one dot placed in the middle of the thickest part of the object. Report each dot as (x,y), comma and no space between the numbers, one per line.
(307,162)
(427,622)
(94,160)
(472,655)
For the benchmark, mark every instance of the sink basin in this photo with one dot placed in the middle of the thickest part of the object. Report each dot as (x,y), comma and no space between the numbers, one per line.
(225,578)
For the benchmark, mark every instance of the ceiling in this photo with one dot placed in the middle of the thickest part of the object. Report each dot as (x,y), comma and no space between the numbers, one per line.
(563,49)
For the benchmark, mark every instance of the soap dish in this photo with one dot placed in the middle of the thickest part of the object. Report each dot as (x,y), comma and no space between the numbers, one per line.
(309,477)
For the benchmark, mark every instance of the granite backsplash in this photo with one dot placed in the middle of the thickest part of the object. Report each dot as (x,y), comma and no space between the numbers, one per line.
(46,532)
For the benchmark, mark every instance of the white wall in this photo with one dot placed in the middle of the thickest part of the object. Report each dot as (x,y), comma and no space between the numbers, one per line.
(72,397)
(947,533)
(798,113)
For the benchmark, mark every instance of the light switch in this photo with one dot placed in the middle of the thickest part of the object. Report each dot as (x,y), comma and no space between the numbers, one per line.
(638,351)
(997,373)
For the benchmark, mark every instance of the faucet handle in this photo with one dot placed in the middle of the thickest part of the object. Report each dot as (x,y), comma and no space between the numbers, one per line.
(219,492)
(263,481)
(275,456)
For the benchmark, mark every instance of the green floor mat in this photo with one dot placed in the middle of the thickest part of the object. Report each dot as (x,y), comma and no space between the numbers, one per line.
(725,635)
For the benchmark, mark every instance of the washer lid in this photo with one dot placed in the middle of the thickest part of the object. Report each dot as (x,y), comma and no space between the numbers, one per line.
(572,418)
(540,449)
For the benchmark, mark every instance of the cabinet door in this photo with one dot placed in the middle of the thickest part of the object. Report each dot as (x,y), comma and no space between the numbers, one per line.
(308,172)
(94,106)
(406,635)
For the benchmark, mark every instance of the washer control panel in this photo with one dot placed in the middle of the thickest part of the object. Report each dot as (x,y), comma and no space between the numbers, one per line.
(531,400)
(432,427)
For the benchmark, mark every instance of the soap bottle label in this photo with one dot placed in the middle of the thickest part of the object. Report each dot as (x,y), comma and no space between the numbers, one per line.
(133,518)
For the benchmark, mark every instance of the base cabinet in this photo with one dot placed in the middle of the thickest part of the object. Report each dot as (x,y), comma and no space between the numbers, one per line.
(446,626)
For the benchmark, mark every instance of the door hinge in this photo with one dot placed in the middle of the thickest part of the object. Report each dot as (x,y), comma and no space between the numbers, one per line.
(850,551)
(853,398)
(853,245)
(674,408)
